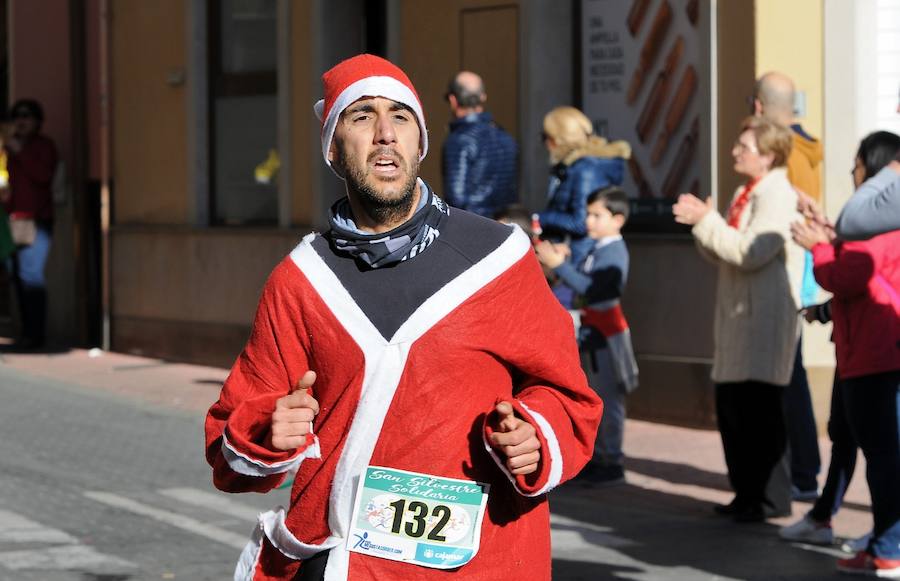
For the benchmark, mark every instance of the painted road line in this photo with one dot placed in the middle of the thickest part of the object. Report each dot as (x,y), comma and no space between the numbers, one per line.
(15,528)
(68,557)
(212,501)
(182,522)
(579,535)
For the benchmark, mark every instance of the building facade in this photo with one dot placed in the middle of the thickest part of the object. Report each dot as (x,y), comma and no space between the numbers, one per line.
(165,111)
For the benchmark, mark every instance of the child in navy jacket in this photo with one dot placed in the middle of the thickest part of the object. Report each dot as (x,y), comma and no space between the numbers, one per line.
(603,336)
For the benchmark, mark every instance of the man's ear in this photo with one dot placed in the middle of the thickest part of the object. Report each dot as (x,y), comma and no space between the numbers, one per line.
(333,157)
(619,219)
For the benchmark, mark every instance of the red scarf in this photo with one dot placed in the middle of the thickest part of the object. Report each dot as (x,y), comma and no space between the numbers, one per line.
(739,203)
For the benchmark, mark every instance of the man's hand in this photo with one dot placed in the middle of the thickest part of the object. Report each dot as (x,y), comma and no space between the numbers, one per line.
(516,439)
(293,416)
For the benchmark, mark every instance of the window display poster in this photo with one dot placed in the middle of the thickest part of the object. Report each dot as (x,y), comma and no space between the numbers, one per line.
(641,82)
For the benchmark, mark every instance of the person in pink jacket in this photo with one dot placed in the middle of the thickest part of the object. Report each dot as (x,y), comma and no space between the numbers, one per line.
(864,278)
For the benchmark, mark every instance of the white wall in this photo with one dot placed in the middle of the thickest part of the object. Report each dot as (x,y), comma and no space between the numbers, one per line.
(862,79)
(888,65)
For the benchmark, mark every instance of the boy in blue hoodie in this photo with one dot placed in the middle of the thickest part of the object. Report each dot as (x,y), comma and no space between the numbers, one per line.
(603,336)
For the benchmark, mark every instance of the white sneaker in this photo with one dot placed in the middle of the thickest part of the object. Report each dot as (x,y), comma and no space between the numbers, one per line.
(854,546)
(808,531)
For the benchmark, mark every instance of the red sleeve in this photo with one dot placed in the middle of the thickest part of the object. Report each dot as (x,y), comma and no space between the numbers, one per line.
(552,393)
(237,425)
(845,268)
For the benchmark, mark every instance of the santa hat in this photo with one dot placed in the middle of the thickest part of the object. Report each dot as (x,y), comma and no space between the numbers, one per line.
(365,75)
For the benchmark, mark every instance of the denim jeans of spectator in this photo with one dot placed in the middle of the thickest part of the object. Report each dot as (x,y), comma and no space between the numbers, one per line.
(27,266)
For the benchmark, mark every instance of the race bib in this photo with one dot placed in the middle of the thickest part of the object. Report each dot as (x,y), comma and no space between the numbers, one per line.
(417,518)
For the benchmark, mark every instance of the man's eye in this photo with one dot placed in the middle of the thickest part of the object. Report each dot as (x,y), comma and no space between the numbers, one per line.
(358,118)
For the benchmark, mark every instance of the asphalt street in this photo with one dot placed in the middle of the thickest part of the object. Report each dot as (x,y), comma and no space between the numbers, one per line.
(98,485)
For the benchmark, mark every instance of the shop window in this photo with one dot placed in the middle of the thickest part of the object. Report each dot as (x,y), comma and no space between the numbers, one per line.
(243,112)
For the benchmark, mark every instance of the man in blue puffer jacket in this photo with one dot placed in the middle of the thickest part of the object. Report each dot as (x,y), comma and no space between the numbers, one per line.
(479,163)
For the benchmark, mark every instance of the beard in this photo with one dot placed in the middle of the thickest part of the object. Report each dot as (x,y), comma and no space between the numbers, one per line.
(385,205)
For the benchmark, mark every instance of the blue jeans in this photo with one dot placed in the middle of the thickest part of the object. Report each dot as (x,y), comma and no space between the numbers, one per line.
(27,266)
(803,441)
(32,260)
(598,368)
(873,411)
(843,458)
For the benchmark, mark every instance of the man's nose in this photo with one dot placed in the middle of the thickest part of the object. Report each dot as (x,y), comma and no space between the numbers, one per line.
(384,130)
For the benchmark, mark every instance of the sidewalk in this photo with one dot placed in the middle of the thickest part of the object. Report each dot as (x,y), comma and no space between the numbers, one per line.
(670,469)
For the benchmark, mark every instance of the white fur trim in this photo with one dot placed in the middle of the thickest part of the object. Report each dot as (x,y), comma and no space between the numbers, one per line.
(458,290)
(387,87)
(553,455)
(243,464)
(385,361)
(249,559)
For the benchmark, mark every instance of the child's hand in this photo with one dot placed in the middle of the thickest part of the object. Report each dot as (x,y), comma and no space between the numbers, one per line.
(549,255)
(563,248)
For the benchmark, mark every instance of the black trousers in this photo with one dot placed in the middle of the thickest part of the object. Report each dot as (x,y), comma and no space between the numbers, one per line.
(754,438)
(313,569)
(873,411)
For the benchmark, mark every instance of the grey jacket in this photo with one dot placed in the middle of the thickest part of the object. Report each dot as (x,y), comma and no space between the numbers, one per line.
(874,209)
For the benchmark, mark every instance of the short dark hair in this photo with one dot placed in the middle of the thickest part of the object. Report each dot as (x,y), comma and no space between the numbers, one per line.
(614,198)
(515,214)
(465,97)
(29,107)
(876,150)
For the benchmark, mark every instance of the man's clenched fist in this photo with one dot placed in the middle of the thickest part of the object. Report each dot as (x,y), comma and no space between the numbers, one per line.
(293,416)
(517,440)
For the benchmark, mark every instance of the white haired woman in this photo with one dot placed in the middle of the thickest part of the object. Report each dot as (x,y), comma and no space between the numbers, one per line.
(756,322)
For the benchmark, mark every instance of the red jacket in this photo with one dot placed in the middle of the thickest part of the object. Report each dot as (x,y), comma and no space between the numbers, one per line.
(31,176)
(418,401)
(865,280)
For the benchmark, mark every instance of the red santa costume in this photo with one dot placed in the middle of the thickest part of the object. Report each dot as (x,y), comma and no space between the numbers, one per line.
(411,359)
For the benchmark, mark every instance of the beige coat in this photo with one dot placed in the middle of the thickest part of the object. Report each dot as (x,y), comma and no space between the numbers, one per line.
(760,269)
